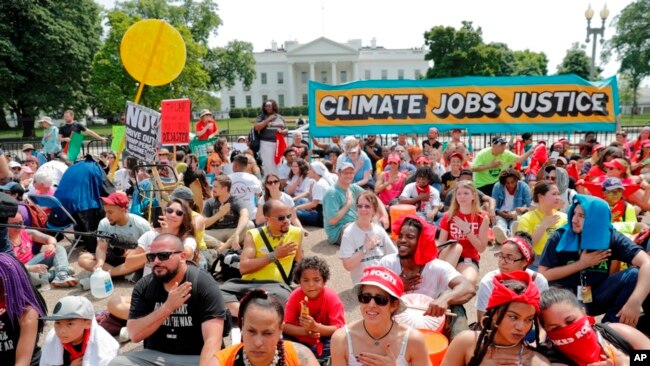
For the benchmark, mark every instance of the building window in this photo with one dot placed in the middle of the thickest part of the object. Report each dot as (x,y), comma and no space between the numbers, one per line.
(384,74)
(304,99)
(281,100)
(232,102)
(249,101)
(303,77)
(264,98)
(323,76)
(418,74)
(263,77)
(344,76)
(280,77)
(367,75)
(400,74)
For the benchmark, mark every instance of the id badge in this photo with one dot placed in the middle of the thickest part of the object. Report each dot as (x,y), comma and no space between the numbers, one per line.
(586,295)
(579,293)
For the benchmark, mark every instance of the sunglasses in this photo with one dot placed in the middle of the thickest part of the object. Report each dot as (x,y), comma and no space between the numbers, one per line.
(380,300)
(178,213)
(363,206)
(163,256)
(272,181)
(551,178)
(285,217)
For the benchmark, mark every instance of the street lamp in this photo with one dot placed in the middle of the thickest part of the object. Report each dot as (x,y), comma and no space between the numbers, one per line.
(589,13)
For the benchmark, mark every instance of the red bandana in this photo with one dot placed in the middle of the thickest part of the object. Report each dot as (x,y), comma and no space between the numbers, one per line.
(420,190)
(578,341)
(426,250)
(503,295)
(618,211)
(74,354)
(523,247)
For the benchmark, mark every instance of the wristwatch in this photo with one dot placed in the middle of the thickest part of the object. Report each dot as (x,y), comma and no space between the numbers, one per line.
(271,256)
(364,250)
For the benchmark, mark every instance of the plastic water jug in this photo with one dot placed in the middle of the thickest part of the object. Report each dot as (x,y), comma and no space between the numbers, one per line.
(101,284)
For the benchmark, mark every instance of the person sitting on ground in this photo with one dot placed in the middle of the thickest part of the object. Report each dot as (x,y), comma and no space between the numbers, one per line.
(390,183)
(516,254)
(361,162)
(264,267)
(405,161)
(284,168)
(364,242)
(225,218)
(311,213)
(272,192)
(431,143)
(299,145)
(563,316)
(422,194)
(560,177)
(76,338)
(373,149)
(487,203)
(245,186)
(123,224)
(186,195)
(261,317)
(377,339)
(422,273)
(621,210)
(314,311)
(381,164)
(42,185)
(177,310)
(299,184)
(641,160)
(513,199)
(40,254)
(511,313)
(579,256)
(449,178)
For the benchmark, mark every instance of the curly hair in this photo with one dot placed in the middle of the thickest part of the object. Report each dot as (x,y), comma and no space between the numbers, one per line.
(302,165)
(315,263)
(509,173)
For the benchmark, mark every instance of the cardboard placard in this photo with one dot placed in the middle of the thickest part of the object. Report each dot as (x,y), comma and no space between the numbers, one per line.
(175,127)
(142,126)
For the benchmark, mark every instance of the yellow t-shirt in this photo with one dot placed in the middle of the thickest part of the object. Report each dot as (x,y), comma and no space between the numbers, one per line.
(529,221)
(271,271)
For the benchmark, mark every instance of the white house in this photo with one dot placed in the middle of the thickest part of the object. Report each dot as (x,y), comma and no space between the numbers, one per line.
(283,73)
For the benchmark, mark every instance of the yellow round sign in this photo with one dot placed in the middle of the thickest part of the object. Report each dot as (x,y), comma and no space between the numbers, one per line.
(153,52)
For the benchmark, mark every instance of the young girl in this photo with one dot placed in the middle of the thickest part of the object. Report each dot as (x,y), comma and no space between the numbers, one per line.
(314,311)
(466,223)
(563,316)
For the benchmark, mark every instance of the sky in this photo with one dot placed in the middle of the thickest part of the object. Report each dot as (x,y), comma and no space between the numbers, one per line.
(549,26)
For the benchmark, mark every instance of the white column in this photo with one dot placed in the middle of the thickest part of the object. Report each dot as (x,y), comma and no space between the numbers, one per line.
(334,73)
(290,86)
(312,71)
(355,71)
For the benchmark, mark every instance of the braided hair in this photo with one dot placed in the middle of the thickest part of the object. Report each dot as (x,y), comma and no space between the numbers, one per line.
(491,321)
(262,299)
(18,291)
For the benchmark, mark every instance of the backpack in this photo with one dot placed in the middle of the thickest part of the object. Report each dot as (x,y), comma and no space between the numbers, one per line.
(254,140)
(226,266)
(38,217)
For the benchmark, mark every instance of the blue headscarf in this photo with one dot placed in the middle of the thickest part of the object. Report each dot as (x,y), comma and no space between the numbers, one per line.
(596,230)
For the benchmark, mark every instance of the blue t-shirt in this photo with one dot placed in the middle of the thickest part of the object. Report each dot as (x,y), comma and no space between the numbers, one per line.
(367,166)
(332,202)
(623,249)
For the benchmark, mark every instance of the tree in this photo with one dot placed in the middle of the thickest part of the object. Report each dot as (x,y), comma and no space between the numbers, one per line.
(227,64)
(631,43)
(576,62)
(46,49)
(530,63)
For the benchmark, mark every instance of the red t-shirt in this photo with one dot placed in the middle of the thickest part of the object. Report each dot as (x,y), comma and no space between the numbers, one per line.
(593,173)
(326,309)
(456,234)
(212,128)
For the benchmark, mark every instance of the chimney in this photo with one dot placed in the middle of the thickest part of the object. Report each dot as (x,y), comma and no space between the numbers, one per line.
(373,43)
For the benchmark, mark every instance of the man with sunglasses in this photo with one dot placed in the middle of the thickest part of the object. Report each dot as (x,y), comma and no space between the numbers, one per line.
(264,268)
(177,310)
(126,225)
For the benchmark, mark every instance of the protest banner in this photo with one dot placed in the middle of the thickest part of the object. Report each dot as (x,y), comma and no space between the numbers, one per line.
(74,146)
(142,125)
(514,104)
(200,149)
(117,137)
(175,128)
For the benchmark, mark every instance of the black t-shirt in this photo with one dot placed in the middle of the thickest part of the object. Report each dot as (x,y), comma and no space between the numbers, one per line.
(66,354)
(435,145)
(376,149)
(623,249)
(230,220)
(67,129)
(180,333)
(448,180)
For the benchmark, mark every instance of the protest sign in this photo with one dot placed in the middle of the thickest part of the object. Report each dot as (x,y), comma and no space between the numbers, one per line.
(175,128)
(513,104)
(200,149)
(141,131)
(74,146)
(117,136)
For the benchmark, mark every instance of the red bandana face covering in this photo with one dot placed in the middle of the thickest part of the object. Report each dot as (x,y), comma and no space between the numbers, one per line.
(578,341)
(74,354)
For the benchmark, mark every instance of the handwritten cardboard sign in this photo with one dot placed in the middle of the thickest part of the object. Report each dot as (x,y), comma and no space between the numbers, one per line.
(142,126)
(175,128)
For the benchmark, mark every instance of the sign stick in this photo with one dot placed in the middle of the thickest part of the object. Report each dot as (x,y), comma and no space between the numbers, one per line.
(118,156)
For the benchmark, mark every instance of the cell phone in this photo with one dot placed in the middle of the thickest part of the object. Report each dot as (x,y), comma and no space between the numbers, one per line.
(555,155)
(156,212)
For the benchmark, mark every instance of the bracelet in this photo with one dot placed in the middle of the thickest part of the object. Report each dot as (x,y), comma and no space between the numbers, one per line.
(271,256)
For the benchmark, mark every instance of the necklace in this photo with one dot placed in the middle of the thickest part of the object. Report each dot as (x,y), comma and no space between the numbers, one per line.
(274,361)
(504,347)
(380,338)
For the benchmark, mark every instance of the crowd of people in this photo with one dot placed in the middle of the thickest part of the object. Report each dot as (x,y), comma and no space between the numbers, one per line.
(566,220)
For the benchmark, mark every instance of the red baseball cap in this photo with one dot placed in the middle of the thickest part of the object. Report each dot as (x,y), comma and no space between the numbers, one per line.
(386,280)
(116,199)
(394,158)
(615,164)
(422,159)
(456,155)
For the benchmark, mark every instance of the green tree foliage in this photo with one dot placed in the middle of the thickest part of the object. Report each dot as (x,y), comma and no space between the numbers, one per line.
(46,49)
(576,62)
(227,64)
(462,53)
(631,43)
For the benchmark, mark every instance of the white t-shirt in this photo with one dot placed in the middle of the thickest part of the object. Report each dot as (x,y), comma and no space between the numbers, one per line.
(283,170)
(411,192)
(145,243)
(508,202)
(303,186)
(318,192)
(436,275)
(55,169)
(246,187)
(486,286)
(122,180)
(352,242)
(284,198)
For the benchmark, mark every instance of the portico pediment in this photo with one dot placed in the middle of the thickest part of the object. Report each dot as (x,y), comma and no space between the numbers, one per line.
(322,46)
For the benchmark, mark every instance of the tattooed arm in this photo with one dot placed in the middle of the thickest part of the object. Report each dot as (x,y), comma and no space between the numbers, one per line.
(305,356)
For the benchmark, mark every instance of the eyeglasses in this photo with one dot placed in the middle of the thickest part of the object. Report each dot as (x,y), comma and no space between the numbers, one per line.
(178,213)
(363,206)
(400,151)
(552,178)
(380,300)
(285,217)
(163,256)
(272,181)
(506,259)
(614,192)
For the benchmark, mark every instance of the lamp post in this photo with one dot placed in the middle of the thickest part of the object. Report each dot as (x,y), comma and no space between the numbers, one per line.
(589,13)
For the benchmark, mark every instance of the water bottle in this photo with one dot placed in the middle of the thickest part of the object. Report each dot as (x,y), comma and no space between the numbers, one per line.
(44,279)
(101,284)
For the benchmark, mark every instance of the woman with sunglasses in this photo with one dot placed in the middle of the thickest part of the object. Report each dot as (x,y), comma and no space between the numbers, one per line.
(641,160)
(468,224)
(272,191)
(364,242)
(390,183)
(511,314)
(377,339)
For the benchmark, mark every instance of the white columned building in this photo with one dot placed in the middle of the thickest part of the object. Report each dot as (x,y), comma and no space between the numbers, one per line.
(283,72)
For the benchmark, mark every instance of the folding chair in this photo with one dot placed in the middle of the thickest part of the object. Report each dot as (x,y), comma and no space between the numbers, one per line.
(63,219)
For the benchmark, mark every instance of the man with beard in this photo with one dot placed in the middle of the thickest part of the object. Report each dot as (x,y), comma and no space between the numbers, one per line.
(267,257)
(125,225)
(422,273)
(373,150)
(177,310)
